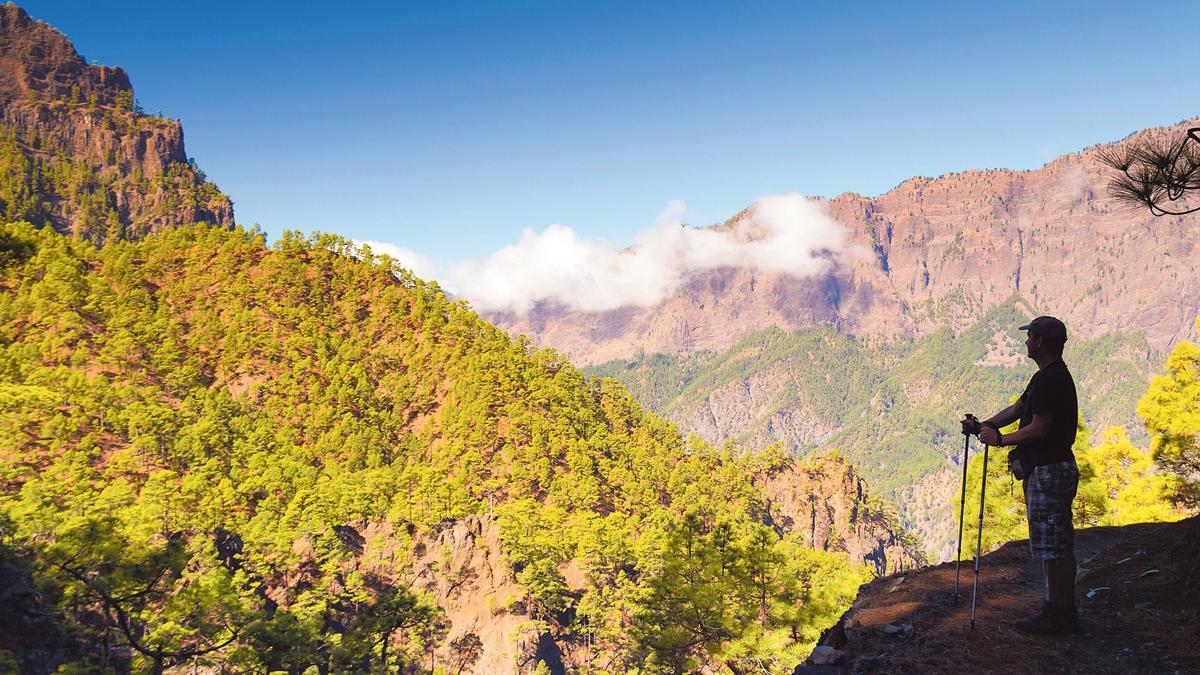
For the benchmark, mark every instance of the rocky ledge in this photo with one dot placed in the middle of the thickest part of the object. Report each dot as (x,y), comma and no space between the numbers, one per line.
(1137,594)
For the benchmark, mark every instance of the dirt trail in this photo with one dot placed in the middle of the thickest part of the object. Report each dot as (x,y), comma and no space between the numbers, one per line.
(1135,620)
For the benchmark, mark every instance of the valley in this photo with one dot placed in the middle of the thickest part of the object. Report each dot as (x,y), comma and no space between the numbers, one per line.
(227,451)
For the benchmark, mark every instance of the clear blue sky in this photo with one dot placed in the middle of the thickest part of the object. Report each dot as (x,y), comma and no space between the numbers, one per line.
(448,127)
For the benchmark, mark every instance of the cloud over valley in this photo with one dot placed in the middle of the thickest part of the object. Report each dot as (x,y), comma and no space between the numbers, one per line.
(786,234)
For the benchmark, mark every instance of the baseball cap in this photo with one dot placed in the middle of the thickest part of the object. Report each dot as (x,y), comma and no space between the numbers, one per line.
(1047,327)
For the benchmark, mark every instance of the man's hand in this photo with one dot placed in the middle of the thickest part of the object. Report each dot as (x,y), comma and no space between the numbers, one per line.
(970,425)
(989,435)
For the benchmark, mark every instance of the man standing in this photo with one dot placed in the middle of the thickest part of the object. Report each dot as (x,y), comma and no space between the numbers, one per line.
(1043,460)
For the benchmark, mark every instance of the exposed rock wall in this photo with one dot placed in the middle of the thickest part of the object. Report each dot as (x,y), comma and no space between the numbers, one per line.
(488,627)
(827,504)
(462,567)
(100,168)
(1052,235)
(935,251)
(36,57)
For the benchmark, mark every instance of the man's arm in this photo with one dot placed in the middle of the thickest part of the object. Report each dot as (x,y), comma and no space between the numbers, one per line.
(1007,416)
(1037,429)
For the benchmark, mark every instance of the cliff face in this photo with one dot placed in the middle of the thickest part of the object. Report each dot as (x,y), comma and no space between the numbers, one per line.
(1052,235)
(827,505)
(78,155)
(463,568)
(489,628)
(935,252)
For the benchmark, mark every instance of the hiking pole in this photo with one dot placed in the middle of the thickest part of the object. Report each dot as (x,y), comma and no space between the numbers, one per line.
(979,541)
(962,506)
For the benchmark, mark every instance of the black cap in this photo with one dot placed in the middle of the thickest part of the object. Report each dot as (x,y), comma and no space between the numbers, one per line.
(1047,327)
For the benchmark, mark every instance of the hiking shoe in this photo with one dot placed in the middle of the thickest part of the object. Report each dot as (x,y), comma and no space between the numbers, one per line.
(1051,620)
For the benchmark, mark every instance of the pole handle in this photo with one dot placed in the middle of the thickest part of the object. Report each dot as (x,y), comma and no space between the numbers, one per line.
(974,425)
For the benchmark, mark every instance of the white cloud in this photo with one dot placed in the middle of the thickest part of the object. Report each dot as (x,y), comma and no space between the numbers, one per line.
(420,265)
(786,234)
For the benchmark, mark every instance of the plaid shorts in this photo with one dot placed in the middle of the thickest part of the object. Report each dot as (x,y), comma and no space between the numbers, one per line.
(1049,491)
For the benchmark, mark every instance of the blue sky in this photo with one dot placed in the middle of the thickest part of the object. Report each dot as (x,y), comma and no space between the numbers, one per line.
(449,127)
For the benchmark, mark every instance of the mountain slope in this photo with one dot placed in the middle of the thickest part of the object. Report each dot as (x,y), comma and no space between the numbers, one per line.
(890,406)
(225,455)
(293,432)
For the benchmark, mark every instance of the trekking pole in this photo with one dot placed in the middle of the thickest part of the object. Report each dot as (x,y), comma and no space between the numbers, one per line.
(979,541)
(962,508)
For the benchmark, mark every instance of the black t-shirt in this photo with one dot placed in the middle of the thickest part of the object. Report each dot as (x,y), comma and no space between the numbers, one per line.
(1051,390)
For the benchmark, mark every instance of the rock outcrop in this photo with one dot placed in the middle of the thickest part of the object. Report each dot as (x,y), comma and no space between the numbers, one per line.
(460,567)
(827,504)
(76,152)
(934,251)
(488,627)
(464,570)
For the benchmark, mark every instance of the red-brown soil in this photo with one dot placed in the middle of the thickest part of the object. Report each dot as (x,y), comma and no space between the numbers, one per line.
(1141,622)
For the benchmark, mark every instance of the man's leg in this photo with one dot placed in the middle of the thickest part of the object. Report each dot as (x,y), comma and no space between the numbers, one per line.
(1049,491)
(1060,581)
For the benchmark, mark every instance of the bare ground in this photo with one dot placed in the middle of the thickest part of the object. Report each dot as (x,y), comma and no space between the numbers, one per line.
(1136,616)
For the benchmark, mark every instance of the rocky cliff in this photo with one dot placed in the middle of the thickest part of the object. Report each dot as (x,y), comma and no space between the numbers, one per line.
(76,151)
(827,504)
(490,629)
(934,251)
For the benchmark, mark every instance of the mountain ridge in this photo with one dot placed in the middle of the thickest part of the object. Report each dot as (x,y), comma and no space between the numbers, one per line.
(939,251)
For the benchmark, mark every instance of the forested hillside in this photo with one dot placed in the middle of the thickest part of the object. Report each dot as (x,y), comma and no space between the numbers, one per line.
(891,406)
(223,454)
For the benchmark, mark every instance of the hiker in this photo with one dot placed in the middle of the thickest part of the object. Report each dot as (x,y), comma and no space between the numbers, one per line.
(1044,462)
